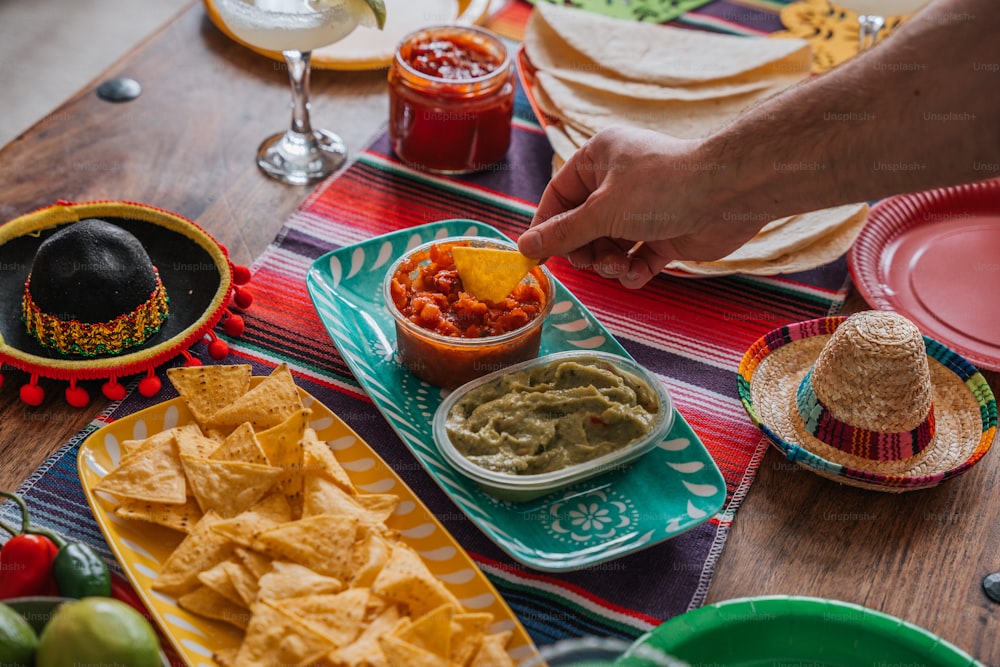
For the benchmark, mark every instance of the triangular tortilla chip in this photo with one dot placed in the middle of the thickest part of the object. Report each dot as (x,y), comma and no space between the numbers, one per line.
(337,617)
(153,474)
(244,582)
(257,563)
(217,579)
(431,632)
(489,274)
(208,603)
(493,651)
(282,445)
(178,517)
(403,654)
(365,651)
(406,579)
(272,401)
(321,496)
(275,637)
(206,389)
(228,487)
(241,445)
(243,529)
(130,447)
(191,443)
(321,543)
(467,631)
(289,580)
(370,555)
(318,458)
(200,550)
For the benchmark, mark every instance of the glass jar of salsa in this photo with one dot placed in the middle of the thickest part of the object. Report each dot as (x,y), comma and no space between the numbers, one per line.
(451,98)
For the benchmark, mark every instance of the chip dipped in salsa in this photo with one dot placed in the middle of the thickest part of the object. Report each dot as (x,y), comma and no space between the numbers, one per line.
(447,336)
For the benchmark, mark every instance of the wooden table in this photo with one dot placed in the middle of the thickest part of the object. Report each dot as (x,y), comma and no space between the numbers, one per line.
(206,104)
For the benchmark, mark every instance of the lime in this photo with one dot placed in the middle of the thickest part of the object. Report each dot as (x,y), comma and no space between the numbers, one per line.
(377,8)
(370,13)
(17,640)
(97,631)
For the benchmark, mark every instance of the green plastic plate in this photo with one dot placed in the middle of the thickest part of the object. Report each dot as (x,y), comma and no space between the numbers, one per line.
(669,490)
(787,630)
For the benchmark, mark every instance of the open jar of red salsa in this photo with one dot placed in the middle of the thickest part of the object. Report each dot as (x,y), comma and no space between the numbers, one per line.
(444,335)
(451,98)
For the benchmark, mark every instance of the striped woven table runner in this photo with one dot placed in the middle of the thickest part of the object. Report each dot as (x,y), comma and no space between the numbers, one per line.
(690,332)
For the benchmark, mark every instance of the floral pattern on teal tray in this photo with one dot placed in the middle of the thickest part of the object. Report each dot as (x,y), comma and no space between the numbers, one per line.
(669,490)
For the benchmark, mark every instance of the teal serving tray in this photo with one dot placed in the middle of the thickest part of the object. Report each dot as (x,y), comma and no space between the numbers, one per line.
(670,490)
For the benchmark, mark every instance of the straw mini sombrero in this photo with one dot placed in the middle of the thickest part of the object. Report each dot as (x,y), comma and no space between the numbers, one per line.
(868,401)
(185,282)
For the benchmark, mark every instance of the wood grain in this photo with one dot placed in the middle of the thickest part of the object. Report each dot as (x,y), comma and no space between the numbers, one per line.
(187,144)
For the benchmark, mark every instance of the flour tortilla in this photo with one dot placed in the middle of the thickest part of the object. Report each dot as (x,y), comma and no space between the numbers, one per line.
(547,51)
(778,256)
(663,55)
(594,110)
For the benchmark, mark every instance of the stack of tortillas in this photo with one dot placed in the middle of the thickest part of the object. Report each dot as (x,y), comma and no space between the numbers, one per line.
(586,72)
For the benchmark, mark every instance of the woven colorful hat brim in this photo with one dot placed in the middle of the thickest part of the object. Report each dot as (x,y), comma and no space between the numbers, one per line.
(964,407)
(194,268)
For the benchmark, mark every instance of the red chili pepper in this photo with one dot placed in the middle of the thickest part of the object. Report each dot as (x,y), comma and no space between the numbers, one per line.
(26,563)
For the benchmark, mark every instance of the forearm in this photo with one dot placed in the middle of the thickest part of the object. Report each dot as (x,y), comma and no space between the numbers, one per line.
(921,110)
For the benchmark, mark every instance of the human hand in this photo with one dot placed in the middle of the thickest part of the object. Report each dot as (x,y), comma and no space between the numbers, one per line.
(630,201)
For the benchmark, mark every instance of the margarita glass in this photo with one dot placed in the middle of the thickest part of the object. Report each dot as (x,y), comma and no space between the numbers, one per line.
(872,13)
(301,154)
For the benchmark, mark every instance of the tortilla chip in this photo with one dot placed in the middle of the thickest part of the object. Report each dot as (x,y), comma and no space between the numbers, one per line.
(207,389)
(194,443)
(321,496)
(489,274)
(228,487)
(154,474)
(337,617)
(317,457)
(365,651)
(431,632)
(241,445)
(275,637)
(244,581)
(201,550)
(403,654)
(226,657)
(244,528)
(129,447)
(257,563)
(321,543)
(272,401)
(217,579)
(290,580)
(406,579)
(467,631)
(208,603)
(282,445)
(178,517)
(369,556)
(493,651)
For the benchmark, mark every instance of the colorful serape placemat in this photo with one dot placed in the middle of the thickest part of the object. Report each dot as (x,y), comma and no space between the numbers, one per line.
(691,332)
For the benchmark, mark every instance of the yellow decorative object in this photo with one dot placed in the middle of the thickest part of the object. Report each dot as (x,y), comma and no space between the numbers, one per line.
(830,30)
(92,338)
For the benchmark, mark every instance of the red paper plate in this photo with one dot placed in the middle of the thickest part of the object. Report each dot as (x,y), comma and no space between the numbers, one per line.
(935,257)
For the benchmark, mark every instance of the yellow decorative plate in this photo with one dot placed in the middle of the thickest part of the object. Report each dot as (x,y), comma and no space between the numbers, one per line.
(141,548)
(368,48)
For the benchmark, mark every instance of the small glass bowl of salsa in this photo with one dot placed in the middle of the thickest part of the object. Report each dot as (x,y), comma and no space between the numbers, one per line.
(451,99)
(551,422)
(444,335)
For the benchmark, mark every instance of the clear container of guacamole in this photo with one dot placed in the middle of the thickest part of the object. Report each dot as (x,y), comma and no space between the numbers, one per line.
(550,422)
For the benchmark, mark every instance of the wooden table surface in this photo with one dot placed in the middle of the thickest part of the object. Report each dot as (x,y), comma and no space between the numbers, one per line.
(187,144)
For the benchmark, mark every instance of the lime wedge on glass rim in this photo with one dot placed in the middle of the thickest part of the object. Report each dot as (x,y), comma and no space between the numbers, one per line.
(370,13)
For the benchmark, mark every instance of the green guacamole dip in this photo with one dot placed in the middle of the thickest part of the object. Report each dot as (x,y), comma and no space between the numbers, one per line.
(550,417)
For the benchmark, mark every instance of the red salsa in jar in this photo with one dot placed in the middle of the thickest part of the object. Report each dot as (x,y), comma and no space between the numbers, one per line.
(445,335)
(451,99)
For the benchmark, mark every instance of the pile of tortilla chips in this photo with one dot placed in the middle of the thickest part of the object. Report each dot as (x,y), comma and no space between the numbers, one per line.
(588,72)
(280,544)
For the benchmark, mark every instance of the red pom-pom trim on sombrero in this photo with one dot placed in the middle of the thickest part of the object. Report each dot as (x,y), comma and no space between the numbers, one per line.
(208,270)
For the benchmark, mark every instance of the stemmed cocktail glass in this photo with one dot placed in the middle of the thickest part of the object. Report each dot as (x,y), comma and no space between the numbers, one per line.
(872,14)
(295,27)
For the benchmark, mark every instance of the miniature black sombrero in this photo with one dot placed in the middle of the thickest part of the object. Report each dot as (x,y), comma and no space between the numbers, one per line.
(868,401)
(106,290)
